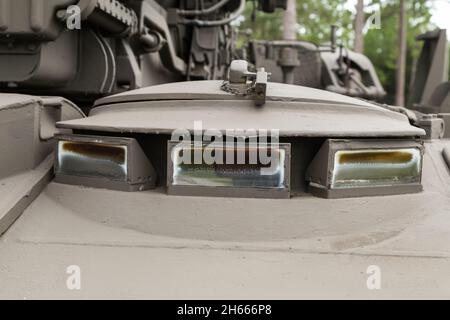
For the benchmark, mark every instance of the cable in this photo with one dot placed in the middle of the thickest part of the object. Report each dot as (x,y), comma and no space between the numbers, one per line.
(215,23)
(206,11)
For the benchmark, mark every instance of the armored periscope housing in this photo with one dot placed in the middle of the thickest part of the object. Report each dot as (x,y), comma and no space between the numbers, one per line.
(326,144)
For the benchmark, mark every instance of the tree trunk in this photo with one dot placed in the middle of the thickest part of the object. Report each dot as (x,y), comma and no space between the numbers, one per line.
(401,62)
(290,21)
(359,26)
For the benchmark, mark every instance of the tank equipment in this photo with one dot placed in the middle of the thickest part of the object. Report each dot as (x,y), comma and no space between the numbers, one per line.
(430,91)
(245,83)
(304,63)
(350,73)
(324,144)
(86,49)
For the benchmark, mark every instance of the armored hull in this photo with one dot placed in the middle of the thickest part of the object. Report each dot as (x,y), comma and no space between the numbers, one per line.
(150,244)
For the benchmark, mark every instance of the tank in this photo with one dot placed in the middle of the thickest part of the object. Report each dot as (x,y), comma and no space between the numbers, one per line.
(230,186)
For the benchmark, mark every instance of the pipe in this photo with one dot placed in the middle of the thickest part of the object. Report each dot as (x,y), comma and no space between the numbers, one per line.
(215,23)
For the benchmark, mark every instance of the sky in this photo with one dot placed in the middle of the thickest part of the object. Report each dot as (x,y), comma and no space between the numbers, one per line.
(440,11)
(441,15)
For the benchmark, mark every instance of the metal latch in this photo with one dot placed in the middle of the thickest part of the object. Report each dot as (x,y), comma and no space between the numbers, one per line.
(243,82)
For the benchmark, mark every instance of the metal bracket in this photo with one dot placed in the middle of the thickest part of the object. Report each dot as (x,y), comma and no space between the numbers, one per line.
(242,82)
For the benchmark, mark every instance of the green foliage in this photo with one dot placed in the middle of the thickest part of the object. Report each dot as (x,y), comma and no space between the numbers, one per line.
(314,20)
(316,17)
(381,45)
(263,26)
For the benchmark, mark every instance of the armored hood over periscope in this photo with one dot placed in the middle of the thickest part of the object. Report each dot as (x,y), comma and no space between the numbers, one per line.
(377,148)
(294,110)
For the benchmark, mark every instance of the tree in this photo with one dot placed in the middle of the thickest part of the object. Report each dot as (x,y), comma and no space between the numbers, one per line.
(401,61)
(358,45)
(314,18)
(381,45)
(290,21)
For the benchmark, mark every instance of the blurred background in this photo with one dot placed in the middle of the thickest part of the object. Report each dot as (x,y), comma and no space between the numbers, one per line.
(374,28)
